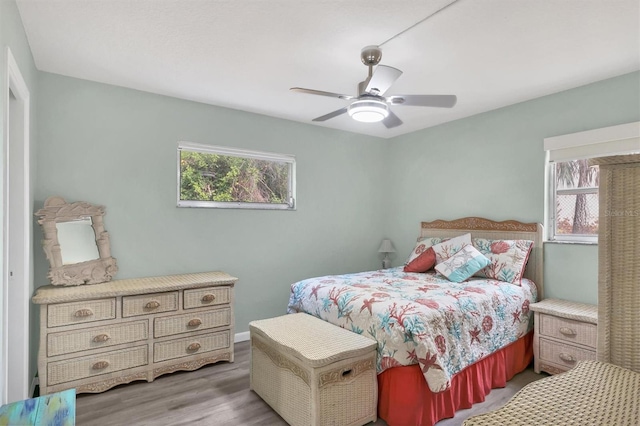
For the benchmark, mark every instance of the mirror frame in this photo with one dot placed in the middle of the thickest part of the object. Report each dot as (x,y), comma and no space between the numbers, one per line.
(100,270)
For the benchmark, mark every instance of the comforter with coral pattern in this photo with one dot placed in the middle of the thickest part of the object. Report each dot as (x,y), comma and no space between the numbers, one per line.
(421,318)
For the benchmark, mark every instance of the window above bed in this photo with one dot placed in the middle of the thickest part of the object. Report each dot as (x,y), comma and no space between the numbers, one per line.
(222,177)
(572,212)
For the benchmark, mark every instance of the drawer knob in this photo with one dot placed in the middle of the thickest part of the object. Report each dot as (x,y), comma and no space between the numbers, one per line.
(193,347)
(83,313)
(100,365)
(101,338)
(567,331)
(567,357)
(154,304)
(194,322)
(208,298)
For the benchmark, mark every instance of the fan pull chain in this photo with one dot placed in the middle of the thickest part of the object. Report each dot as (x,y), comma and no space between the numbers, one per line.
(417,23)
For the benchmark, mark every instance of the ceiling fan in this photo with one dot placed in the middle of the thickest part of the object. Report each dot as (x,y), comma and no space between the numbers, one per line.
(370,105)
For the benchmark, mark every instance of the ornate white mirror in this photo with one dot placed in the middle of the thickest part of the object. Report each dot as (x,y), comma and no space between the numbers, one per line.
(76,243)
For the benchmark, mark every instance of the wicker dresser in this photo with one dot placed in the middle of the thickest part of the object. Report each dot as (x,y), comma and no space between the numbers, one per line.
(618,265)
(565,333)
(94,337)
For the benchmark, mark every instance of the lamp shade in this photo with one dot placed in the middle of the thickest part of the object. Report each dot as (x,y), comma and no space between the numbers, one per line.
(386,247)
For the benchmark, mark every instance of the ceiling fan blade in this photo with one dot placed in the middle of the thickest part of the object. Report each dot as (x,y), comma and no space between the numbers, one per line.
(322,93)
(331,114)
(383,77)
(438,101)
(392,120)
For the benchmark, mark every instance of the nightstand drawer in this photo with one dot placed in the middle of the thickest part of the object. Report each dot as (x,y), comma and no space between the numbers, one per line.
(191,346)
(563,354)
(206,297)
(80,312)
(568,330)
(167,326)
(149,304)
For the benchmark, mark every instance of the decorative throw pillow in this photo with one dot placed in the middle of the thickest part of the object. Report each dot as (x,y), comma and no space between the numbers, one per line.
(448,248)
(463,264)
(422,257)
(508,258)
(422,243)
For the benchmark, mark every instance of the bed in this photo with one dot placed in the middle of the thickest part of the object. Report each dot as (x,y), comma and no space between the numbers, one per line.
(442,346)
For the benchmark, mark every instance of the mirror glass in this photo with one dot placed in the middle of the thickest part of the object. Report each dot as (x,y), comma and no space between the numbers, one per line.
(77,241)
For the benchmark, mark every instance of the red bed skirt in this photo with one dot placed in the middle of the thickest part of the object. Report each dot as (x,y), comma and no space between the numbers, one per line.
(404,399)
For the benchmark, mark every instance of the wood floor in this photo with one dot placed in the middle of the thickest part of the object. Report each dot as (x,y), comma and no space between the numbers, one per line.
(218,395)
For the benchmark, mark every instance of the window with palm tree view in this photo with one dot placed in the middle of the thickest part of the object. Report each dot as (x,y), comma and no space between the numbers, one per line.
(211,176)
(575,206)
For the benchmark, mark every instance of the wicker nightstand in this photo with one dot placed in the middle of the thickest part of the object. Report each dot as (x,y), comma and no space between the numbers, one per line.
(565,333)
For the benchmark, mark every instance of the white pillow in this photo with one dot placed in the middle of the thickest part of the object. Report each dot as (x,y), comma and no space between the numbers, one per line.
(448,248)
(508,258)
(466,262)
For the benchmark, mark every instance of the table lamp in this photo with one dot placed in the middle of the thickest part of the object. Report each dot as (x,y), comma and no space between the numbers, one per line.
(386,247)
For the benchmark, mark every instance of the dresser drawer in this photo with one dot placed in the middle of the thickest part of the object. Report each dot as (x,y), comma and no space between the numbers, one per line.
(564,354)
(206,297)
(67,342)
(203,320)
(94,365)
(191,345)
(568,330)
(80,312)
(149,304)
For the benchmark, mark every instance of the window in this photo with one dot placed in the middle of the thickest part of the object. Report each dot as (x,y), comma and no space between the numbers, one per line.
(572,191)
(220,177)
(575,207)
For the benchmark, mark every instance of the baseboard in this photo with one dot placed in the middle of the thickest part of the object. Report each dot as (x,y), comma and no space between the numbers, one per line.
(32,390)
(241,337)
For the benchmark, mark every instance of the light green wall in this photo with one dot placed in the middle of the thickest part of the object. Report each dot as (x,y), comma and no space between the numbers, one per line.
(571,272)
(117,147)
(12,35)
(492,165)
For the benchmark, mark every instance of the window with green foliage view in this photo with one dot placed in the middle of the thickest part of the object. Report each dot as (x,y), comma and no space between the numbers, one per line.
(211,176)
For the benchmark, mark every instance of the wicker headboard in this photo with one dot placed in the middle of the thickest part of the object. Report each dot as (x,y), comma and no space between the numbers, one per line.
(506,230)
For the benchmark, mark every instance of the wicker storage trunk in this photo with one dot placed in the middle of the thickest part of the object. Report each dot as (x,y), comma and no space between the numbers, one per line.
(312,372)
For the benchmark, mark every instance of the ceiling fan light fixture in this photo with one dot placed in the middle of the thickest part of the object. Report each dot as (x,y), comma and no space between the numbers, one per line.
(368,110)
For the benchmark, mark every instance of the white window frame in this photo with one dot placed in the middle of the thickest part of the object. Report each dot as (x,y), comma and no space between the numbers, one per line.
(614,140)
(242,153)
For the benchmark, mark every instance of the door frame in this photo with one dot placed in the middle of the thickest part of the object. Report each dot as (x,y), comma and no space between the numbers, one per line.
(16,328)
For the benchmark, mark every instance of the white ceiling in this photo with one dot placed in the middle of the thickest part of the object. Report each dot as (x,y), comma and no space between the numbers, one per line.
(247,54)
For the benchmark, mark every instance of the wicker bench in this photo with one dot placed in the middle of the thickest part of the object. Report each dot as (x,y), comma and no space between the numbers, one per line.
(312,372)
